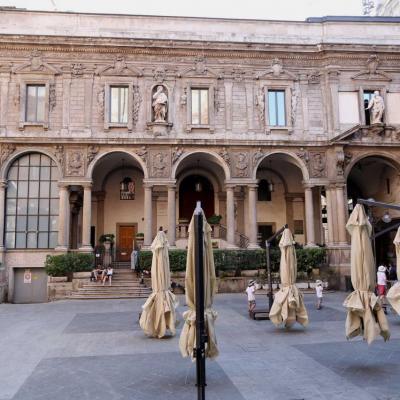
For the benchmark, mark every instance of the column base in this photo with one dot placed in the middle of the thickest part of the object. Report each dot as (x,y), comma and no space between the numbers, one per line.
(86,249)
(310,246)
(253,246)
(61,249)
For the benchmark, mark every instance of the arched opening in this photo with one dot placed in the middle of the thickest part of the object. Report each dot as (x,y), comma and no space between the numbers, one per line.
(195,188)
(378,178)
(32,203)
(280,197)
(118,203)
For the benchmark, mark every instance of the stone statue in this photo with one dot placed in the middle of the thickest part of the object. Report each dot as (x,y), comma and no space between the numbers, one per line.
(260,103)
(377,106)
(294,102)
(160,102)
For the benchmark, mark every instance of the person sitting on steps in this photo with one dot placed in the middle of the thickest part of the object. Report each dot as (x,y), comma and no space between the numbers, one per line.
(108,275)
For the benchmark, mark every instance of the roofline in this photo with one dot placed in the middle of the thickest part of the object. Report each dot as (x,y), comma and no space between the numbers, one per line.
(311,20)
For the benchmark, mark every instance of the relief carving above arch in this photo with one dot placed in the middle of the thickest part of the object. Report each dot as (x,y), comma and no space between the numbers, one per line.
(75,162)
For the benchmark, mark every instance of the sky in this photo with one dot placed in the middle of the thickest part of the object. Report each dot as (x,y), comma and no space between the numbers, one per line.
(254,9)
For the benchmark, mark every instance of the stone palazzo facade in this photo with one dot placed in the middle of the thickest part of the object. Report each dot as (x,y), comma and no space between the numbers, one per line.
(115,124)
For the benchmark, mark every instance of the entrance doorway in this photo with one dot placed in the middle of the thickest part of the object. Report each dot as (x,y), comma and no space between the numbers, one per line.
(265,231)
(125,241)
(192,189)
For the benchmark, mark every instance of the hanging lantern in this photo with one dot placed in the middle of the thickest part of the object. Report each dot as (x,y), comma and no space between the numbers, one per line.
(127,189)
(198,187)
(386,218)
(271,186)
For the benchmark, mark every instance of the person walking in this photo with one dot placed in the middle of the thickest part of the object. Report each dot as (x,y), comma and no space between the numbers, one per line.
(251,298)
(381,281)
(319,293)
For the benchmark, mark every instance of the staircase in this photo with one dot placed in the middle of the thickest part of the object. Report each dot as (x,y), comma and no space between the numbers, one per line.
(125,285)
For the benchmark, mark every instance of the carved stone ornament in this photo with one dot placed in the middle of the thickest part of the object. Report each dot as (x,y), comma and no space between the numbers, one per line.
(276,71)
(276,67)
(257,156)
(52,96)
(238,74)
(159,165)
(225,155)
(77,70)
(142,153)
(176,154)
(100,102)
(318,165)
(371,70)
(119,68)
(242,165)
(304,155)
(159,74)
(260,104)
(17,95)
(92,151)
(36,65)
(6,150)
(295,94)
(75,163)
(59,154)
(200,68)
(217,103)
(137,100)
(183,99)
(314,77)
(342,160)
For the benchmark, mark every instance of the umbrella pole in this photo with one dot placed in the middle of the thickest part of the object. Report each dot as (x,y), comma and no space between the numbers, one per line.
(270,296)
(200,325)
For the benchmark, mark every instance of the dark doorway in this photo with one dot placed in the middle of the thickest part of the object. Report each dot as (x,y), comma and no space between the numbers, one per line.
(264,232)
(192,189)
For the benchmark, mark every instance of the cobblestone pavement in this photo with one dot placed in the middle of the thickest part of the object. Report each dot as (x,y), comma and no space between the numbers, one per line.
(95,350)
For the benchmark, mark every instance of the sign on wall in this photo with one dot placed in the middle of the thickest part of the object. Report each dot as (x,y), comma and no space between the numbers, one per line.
(27,276)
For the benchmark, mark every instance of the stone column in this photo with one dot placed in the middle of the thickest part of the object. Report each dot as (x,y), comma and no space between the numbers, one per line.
(252,208)
(171,215)
(148,215)
(3,186)
(329,211)
(63,218)
(86,217)
(100,196)
(341,214)
(228,104)
(230,216)
(309,206)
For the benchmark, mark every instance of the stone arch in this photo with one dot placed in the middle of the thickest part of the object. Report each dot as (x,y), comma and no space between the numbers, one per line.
(201,172)
(296,161)
(385,157)
(216,157)
(7,164)
(92,165)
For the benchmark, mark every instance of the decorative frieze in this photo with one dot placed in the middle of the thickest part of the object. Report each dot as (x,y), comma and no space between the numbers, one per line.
(92,151)
(241,165)
(159,164)
(176,154)
(317,165)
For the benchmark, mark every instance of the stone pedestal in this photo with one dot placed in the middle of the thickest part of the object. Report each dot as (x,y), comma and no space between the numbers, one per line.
(159,128)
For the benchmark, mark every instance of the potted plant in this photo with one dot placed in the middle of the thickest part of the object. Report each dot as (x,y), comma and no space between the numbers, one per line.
(214,219)
(107,240)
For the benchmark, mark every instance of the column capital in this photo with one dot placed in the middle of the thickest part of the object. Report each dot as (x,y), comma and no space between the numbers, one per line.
(340,185)
(308,186)
(171,187)
(230,186)
(87,185)
(252,186)
(63,185)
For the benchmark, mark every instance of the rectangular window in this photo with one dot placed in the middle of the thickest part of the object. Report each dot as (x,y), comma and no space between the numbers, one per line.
(119,104)
(200,107)
(35,103)
(276,108)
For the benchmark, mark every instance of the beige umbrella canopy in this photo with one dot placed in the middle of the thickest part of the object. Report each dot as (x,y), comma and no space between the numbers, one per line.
(187,340)
(393,294)
(158,313)
(288,306)
(365,315)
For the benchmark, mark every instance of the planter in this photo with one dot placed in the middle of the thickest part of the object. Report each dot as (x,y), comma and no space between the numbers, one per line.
(249,273)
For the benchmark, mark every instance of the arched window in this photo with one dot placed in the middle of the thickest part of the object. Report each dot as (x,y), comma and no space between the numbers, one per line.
(264,193)
(32,203)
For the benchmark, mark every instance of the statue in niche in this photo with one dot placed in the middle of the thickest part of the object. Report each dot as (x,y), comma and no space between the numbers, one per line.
(160,104)
(377,106)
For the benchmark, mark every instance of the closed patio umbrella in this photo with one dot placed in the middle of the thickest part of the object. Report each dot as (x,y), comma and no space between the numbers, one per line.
(187,340)
(393,294)
(365,315)
(158,313)
(288,306)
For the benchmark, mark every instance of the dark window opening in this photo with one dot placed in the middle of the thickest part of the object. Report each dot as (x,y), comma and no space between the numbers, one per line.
(264,193)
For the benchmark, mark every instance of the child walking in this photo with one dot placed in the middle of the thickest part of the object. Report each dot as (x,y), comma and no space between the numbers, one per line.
(251,298)
(318,291)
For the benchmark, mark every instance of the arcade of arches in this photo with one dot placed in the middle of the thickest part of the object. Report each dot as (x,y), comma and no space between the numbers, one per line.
(44,211)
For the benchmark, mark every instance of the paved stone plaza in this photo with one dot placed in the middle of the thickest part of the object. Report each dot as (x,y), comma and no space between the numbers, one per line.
(95,350)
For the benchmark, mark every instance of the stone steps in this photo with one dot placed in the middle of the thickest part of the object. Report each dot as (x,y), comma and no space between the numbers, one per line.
(125,285)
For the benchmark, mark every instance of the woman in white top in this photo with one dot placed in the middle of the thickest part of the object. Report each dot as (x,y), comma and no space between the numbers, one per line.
(318,291)
(251,298)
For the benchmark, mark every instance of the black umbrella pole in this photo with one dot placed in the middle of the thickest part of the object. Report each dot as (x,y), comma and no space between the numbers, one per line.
(200,325)
(270,295)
